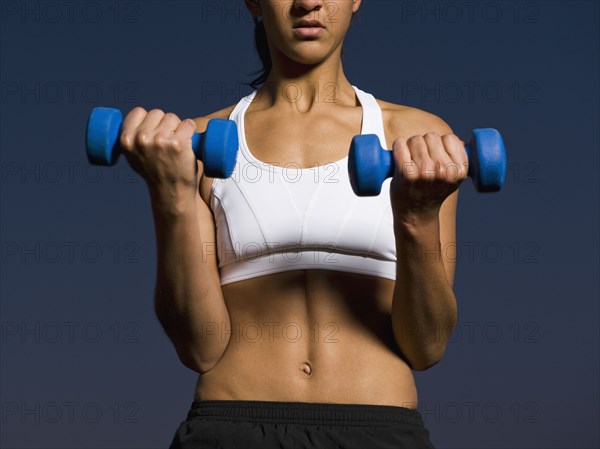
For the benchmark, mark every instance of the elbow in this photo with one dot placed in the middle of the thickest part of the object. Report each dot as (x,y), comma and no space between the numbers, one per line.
(423,351)
(427,359)
(431,352)
(188,353)
(195,362)
(199,358)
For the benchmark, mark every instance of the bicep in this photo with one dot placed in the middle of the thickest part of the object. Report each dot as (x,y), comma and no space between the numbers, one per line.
(207,231)
(207,222)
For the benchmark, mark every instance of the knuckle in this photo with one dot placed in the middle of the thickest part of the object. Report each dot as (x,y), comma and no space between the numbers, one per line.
(452,165)
(409,168)
(143,138)
(397,147)
(411,176)
(161,140)
(455,172)
(168,141)
(447,173)
(416,142)
(177,145)
(429,170)
(126,140)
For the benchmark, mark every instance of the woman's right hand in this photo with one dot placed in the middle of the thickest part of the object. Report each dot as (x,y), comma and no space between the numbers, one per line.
(158,146)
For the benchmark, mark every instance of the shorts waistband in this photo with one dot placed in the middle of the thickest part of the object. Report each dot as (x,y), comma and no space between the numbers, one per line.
(305,413)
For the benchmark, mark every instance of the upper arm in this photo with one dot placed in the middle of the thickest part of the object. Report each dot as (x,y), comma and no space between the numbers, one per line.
(207,222)
(407,122)
(205,216)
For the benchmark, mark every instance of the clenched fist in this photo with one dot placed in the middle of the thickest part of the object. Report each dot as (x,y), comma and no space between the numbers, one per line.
(428,169)
(158,146)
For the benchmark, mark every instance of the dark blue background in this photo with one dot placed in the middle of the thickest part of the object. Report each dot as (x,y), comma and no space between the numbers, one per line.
(85,363)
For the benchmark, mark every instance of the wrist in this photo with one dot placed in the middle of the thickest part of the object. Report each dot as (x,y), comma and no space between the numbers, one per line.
(416,225)
(172,202)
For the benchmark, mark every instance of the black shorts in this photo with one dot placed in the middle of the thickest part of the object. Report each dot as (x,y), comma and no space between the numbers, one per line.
(227,424)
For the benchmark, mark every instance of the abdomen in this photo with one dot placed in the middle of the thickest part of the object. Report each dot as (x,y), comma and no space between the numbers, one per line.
(310,336)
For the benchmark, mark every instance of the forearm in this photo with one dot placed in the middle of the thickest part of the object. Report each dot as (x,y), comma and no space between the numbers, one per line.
(424,305)
(188,299)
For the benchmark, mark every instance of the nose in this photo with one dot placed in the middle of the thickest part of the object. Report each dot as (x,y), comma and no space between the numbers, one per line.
(304,6)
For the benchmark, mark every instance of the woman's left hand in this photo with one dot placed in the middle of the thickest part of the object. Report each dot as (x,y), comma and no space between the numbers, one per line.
(428,169)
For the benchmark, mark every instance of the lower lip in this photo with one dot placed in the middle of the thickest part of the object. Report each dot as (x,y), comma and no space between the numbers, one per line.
(308,31)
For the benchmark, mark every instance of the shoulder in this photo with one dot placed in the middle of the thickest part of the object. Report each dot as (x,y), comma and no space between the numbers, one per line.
(201,125)
(405,121)
(202,122)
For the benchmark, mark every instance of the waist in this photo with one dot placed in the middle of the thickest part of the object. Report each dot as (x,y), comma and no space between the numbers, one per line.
(342,369)
(304,413)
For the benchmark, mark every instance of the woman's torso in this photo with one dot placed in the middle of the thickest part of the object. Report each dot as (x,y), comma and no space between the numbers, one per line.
(311,335)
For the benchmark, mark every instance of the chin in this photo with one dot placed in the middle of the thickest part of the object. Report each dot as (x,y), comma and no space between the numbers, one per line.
(309,60)
(309,56)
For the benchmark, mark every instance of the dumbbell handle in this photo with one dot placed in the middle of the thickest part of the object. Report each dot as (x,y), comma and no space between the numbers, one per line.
(387,161)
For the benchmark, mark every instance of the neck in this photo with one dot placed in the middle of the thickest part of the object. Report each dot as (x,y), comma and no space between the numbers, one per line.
(302,87)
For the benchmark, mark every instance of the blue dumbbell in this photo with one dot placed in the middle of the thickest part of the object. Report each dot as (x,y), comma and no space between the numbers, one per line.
(216,147)
(369,164)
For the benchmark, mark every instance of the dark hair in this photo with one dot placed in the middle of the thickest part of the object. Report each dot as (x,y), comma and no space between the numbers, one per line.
(262,48)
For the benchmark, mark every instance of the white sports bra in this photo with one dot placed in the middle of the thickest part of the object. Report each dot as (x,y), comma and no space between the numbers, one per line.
(271,218)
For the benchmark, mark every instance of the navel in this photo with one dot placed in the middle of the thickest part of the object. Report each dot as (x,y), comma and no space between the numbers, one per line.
(306,368)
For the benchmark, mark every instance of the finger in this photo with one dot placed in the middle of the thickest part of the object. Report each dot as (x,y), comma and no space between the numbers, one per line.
(420,154)
(442,160)
(151,121)
(134,118)
(184,132)
(403,160)
(132,121)
(185,129)
(168,123)
(436,148)
(456,150)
